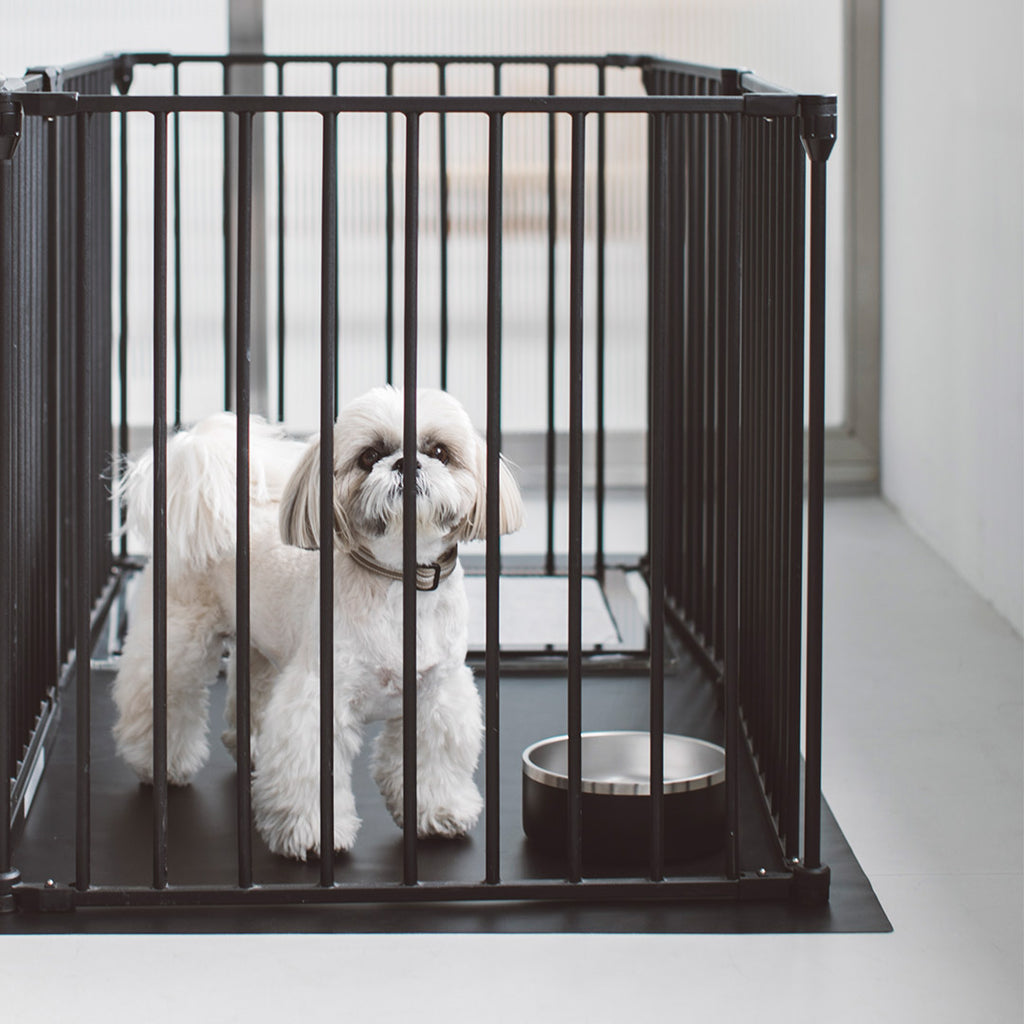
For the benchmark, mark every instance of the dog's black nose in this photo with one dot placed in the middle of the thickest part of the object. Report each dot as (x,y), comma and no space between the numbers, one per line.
(399,466)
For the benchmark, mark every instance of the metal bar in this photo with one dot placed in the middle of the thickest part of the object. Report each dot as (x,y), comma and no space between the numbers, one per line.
(226,221)
(575,678)
(102,408)
(684,300)
(778,606)
(734,240)
(389,228)
(722,322)
(83,535)
(818,132)
(334,92)
(281,237)
(756,557)
(784,724)
(409,453)
(706,256)
(797,497)
(328,398)
(815,518)
(679,302)
(794,509)
(550,456)
(758,681)
(693,372)
(56,539)
(776,384)
(671,227)
(774,885)
(24,396)
(8,875)
(442,144)
(493,558)
(748,513)
(711,303)
(65,333)
(599,406)
(160,501)
(762,551)
(122,341)
(540,59)
(62,104)
(177,254)
(752,695)
(245,34)
(656,539)
(242,607)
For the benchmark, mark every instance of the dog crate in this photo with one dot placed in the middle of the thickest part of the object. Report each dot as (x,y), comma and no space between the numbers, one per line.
(123,257)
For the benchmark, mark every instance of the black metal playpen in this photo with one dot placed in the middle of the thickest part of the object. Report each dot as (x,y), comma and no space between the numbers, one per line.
(716,641)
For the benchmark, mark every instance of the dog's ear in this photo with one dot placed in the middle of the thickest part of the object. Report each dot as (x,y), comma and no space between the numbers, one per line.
(510,501)
(300,506)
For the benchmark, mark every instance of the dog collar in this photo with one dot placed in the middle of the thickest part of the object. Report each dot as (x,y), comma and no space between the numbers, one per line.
(428,577)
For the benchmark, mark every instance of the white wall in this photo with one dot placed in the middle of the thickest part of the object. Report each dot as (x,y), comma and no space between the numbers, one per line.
(953,273)
(50,33)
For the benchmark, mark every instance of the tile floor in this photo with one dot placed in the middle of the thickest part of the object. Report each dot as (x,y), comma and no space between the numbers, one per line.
(923,767)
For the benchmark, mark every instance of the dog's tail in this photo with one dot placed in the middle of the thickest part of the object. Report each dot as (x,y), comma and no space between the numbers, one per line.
(201,488)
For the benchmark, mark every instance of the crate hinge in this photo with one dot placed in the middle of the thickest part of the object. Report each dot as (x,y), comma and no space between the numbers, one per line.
(8,882)
(10,123)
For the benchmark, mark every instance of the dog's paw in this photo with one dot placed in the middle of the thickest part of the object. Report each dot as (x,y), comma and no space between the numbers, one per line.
(450,817)
(298,836)
(182,764)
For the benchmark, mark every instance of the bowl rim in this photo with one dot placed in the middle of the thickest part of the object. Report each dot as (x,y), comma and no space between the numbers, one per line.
(558,780)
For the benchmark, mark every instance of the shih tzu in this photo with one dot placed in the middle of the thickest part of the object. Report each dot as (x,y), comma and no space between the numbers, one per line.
(284,656)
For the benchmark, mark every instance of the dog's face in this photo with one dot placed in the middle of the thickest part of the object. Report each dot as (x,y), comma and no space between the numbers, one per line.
(369,477)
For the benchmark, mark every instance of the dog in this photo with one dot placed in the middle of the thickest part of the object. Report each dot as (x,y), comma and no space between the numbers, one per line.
(367,508)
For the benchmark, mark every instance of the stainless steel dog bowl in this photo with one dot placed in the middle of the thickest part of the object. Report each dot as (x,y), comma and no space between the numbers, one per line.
(616,796)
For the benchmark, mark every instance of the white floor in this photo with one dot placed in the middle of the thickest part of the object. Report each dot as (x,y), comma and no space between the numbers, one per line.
(923,766)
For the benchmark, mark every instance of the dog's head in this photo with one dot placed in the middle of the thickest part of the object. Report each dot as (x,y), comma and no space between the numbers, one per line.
(451,485)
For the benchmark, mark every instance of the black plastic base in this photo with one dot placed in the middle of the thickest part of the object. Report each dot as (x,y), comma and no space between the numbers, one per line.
(812,885)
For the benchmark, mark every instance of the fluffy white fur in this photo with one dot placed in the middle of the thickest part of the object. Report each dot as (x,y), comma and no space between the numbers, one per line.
(284,659)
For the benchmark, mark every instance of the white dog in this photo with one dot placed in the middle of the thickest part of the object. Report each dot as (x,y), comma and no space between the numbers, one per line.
(284,659)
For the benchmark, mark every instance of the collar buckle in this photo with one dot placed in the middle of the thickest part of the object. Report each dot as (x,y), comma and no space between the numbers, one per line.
(436,581)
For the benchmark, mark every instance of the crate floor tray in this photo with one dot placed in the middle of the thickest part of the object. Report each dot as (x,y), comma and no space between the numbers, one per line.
(201,847)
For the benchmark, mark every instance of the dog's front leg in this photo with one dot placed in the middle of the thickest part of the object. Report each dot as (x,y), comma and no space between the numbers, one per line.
(449,733)
(286,777)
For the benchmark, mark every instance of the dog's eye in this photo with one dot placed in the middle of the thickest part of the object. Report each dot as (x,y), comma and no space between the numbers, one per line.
(439,452)
(368,458)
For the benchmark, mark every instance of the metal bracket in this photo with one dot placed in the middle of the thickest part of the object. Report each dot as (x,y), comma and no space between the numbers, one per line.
(50,898)
(51,76)
(769,105)
(731,81)
(10,124)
